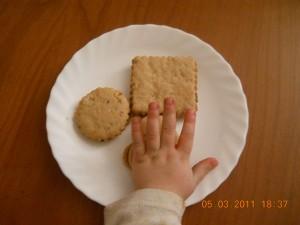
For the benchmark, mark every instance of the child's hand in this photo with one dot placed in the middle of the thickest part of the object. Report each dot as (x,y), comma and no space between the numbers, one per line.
(158,162)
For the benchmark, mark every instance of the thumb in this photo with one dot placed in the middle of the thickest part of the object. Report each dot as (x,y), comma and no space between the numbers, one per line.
(202,168)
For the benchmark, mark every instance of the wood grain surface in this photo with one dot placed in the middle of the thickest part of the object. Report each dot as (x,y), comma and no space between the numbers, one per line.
(261,40)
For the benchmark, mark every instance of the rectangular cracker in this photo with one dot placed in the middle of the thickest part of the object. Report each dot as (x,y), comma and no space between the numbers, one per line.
(155,77)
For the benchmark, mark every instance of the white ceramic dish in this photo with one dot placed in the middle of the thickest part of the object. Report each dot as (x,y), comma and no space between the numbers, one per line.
(97,169)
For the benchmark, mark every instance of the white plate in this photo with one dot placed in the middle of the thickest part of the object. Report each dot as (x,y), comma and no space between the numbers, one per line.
(97,169)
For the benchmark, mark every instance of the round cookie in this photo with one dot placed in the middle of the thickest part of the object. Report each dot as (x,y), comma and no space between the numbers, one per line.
(102,114)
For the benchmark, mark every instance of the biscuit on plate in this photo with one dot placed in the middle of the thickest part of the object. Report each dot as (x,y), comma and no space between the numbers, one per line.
(102,114)
(155,77)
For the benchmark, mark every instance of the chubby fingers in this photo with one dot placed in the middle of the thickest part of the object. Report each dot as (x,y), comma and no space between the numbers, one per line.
(185,142)
(168,137)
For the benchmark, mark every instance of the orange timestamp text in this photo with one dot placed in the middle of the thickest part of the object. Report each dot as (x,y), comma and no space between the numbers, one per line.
(244,204)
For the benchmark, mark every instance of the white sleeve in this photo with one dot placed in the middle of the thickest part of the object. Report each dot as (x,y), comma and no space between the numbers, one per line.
(146,207)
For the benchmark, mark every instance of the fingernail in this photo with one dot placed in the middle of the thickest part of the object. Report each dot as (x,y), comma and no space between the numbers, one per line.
(153,105)
(169,101)
(157,106)
(213,162)
(135,119)
(192,113)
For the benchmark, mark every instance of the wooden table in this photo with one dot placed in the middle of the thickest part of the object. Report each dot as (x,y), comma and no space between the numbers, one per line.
(261,41)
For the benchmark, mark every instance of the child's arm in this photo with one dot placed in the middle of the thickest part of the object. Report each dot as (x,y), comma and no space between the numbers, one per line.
(160,170)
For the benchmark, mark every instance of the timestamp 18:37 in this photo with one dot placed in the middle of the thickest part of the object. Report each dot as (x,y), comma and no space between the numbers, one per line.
(244,204)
